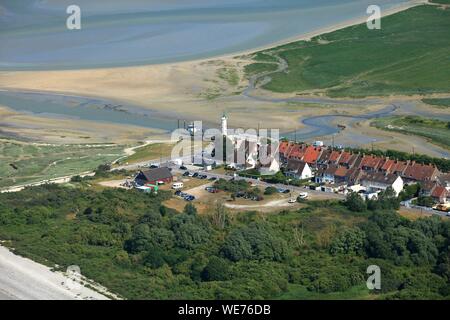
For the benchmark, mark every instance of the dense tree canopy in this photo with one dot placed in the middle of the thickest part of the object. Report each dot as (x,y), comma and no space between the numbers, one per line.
(139,248)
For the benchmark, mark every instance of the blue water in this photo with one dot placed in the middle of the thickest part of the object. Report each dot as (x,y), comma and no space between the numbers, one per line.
(33,33)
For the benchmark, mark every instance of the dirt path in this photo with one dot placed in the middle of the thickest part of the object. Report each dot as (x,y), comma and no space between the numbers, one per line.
(271,204)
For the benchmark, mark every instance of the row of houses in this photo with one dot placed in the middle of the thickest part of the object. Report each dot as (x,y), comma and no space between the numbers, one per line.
(338,170)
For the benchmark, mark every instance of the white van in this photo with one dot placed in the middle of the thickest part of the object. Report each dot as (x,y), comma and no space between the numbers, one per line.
(178,185)
(303,195)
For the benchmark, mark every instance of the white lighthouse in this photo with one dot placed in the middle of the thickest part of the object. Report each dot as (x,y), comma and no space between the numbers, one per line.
(224,124)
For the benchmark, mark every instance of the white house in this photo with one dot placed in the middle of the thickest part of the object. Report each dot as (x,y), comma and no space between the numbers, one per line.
(299,170)
(379,181)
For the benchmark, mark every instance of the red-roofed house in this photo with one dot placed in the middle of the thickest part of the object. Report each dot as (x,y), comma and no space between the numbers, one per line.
(420,173)
(345,158)
(439,194)
(387,166)
(334,157)
(283,147)
(324,157)
(349,160)
(370,163)
(399,167)
(312,154)
(297,152)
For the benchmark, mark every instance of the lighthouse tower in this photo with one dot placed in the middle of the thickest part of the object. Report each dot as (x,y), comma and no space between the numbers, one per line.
(224,124)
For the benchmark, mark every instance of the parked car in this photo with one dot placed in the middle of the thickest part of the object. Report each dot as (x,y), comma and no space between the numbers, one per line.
(303,195)
(203,176)
(195,175)
(240,194)
(212,189)
(292,200)
(178,192)
(183,168)
(213,179)
(177,185)
(154,166)
(186,174)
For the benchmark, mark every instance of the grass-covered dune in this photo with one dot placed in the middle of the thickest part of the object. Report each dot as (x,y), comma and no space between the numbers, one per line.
(130,243)
(436,131)
(409,55)
(22,163)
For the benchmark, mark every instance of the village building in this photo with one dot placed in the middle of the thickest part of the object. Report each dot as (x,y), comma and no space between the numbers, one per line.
(399,168)
(371,163)
(334,157)
(444,181)
(378,181)
(326,175)
(312,155)
(416,172)
(348,159)
(439,194)
(299,170)
(154,176)
(324,158)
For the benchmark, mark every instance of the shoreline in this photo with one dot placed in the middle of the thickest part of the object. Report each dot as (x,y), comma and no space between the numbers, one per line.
(24,279)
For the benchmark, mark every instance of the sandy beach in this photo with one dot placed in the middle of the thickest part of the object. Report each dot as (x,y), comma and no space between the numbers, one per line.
(23,279)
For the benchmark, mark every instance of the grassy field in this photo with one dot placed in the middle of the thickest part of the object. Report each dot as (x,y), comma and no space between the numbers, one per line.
(436,131)
(409,55)
(41,162)
(440,102)
(149,152)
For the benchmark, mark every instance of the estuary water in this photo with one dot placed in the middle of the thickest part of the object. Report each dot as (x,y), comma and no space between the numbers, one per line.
(33,33)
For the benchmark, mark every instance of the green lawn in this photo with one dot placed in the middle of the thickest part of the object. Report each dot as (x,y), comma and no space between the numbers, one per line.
(409,55)
(436,131)
(40,162)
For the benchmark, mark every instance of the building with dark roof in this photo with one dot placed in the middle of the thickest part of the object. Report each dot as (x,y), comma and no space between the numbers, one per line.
(154,176)
(378,181)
